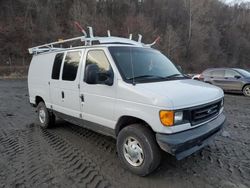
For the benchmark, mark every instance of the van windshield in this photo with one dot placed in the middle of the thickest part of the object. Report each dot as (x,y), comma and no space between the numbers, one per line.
(143,65)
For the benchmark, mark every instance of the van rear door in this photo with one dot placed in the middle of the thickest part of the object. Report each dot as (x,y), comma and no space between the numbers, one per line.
(55,96)
(69,83)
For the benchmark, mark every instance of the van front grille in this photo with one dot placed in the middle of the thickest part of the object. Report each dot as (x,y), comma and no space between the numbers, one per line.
(205,113)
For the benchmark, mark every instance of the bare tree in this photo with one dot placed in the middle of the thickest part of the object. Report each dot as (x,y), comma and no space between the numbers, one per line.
(194,33)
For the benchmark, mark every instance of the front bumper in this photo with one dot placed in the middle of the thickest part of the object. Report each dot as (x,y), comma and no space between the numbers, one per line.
(187,142)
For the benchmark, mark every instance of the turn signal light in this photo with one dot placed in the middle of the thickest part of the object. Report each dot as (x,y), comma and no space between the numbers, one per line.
(167,117)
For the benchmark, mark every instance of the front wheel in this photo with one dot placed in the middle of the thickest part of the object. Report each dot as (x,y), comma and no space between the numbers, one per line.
(46,119)
(138,150)
(246,90)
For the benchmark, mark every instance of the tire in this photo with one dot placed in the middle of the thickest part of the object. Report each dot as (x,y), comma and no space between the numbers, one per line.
(46,119)
(143,148)
(246,90)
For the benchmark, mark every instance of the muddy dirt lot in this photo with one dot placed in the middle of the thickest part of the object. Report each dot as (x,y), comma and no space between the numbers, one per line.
(70,156)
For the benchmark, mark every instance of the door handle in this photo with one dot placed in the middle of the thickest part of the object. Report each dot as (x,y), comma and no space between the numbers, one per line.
(82,97)
(63,94)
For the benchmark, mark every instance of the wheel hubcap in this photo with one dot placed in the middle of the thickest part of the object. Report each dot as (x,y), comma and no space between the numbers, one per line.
(42,115)
(133,152)
(247,91)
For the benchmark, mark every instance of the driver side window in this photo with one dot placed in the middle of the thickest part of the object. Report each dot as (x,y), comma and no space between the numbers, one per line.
(96,60)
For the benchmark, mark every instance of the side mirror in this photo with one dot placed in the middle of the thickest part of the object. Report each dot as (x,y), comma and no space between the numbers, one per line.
(91,74)
(106,78)
(237,76)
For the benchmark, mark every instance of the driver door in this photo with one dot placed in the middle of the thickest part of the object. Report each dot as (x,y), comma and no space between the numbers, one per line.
(97,99)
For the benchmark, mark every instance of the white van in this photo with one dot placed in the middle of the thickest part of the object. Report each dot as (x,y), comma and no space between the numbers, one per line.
(125,89)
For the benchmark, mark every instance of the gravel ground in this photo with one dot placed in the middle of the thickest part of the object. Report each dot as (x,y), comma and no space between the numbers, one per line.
(71,156)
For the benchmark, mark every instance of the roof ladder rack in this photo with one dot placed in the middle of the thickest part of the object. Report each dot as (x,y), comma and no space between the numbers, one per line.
(88,41)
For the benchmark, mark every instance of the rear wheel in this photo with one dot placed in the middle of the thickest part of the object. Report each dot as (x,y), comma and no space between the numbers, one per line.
(246,90)
(46,119)
(138,150)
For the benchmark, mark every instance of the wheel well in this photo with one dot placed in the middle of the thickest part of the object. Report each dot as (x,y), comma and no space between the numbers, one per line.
(39,99)
(128,120)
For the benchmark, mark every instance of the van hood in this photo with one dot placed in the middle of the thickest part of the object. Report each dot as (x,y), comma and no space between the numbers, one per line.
(182,93)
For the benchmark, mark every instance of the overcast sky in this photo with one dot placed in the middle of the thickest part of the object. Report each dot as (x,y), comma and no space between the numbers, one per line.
(235,1)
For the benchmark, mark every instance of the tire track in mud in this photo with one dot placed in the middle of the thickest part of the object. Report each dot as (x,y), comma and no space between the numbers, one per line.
(101,149)
(82,170)
(50,161)
(100,141)
(219,161)
(11,165)
(61,144)
(27,164)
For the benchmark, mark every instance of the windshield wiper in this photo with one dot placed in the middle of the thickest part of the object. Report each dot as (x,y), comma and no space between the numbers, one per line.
(173,75)
(137,78)
(146,76)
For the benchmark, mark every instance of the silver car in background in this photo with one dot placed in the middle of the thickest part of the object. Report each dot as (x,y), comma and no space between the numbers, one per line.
(229,79)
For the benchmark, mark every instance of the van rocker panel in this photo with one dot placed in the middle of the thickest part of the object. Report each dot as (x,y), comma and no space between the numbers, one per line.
(187,142)
(86,124)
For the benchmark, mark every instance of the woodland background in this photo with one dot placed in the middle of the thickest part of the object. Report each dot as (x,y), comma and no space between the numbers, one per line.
(195,34)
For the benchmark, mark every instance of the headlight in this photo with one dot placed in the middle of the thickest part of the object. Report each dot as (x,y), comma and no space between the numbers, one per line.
(169,117)
(178,117)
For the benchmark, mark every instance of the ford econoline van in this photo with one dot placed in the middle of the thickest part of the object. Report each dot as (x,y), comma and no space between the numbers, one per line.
(127,90)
